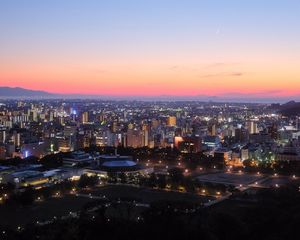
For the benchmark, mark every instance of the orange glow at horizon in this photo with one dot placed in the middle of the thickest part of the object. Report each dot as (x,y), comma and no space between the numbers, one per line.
(154,79)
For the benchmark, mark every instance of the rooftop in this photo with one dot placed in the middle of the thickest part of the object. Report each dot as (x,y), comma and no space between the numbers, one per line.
(119,164)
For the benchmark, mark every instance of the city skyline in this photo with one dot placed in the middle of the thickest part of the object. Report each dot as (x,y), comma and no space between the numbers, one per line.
(156,48)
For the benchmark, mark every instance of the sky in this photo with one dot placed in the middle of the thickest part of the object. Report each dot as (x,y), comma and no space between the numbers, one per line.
(152,47)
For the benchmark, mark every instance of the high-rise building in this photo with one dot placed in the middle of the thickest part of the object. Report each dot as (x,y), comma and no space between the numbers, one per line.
(17,139)
(241,135)
(154,123)
(114,127)
(51,116)
(244,153)
(171,121)
(70,131)
(190,144)
(212,130)
(136,138)
(251,126)
(34,115)
(85,117)
(273,131)
(2,136)
(2,152)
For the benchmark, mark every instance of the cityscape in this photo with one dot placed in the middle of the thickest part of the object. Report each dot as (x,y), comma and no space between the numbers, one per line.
(119,120)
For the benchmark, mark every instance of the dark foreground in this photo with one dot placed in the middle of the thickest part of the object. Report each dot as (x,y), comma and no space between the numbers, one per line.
(269,215)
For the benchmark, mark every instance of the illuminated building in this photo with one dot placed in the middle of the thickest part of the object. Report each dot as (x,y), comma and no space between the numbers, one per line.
(223,156)
(136,138)
(189,144)
(273,131)
(289,155)
(64,145)
(78,158)
(212,141)
(241,135)
(154,123)
(85,117)
(116,164)
(212,130)
(171,121)
(244,154)
(26,178)
(2,136)
(260,138)
(2,152)
(251,126)
(17,139)
(70,131)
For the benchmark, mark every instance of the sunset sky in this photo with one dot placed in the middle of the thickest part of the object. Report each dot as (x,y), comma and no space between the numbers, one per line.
(151,47)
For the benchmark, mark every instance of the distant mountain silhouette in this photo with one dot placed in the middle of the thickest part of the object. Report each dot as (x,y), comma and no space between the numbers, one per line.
(9,92)
(18,92)
(291,108)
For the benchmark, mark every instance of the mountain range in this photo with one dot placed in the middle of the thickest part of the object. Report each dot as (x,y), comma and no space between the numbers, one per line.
(17,92)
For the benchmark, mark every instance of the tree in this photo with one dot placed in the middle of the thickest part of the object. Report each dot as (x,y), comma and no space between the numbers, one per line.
(176,175)
(52,160)
(189,185)
(162,181)
(27,197)
(86,181)
(122,177)
(152,180)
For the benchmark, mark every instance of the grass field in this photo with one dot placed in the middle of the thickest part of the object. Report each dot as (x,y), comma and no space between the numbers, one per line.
(145,195)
